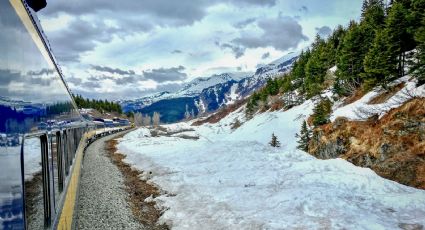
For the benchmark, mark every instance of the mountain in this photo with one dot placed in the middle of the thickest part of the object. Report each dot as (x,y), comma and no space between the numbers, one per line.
(205,95)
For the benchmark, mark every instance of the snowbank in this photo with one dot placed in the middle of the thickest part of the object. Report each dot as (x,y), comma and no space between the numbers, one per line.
(361,110)
(234,180)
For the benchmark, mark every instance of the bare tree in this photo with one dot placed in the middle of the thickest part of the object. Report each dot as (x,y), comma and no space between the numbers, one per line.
(138,119)
(187,113)
(156,119)
(147,120)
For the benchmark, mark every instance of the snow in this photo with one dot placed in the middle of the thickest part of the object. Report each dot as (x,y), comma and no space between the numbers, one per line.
(32,157)
(232,179)
(361,110)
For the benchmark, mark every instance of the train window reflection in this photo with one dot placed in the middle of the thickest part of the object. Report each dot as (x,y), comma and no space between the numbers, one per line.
(34,101)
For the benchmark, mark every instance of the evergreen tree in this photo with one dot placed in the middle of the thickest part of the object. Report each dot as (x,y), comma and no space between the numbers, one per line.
(316,67)
(321,112)
(303,137)
(399,39)
(274,142)
(373,13)
(379,63)
(298,70)
(350,61)
(418,15)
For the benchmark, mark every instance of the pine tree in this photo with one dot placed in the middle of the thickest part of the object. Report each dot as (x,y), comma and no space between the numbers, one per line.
(274,142)
(418,15)
(400,40)
(321,112)
(373,16)
(350,59)
(379,64)
(303,137)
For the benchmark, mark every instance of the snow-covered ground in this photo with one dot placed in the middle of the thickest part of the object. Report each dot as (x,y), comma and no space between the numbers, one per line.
(234,180)
(360,109)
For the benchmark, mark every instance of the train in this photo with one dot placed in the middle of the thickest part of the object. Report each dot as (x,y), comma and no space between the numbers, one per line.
(42,133)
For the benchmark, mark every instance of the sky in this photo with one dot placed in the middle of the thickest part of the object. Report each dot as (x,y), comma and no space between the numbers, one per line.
(128,49)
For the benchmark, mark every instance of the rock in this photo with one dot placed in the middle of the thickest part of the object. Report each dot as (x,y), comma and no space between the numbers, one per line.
(384,151)
(405,226)
(339,122)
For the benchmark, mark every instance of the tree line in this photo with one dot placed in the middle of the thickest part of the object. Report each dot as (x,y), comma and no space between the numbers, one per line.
(100,105)
(388,41)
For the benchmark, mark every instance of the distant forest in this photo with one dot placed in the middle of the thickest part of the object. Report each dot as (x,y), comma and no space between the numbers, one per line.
(388,40)
(100,105)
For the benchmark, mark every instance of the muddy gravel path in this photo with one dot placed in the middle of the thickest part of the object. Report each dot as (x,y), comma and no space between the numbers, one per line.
(105,201)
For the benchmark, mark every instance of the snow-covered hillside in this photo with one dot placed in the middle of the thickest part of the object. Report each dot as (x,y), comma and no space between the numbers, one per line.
(232,179)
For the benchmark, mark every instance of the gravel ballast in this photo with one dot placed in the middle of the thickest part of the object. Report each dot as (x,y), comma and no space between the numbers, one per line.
(102,201)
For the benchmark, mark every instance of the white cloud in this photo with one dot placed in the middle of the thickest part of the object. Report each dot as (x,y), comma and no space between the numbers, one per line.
(143,36)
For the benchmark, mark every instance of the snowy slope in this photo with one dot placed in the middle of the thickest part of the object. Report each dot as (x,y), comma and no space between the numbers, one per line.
(360,109)
(195,87)
(234,180)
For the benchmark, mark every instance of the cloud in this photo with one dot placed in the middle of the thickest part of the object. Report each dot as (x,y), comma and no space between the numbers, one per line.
(265,55)
(91,84)
(79,37)
(237,50)
(74,80)
(324,31)
(112,70)
(303,9)
(36,77)
(282,33)
(244,23)
(124,78)
(41,72)
(164,74)
(162,12)
(177,52)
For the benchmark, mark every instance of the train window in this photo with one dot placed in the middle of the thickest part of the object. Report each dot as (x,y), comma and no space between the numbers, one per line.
(34,105)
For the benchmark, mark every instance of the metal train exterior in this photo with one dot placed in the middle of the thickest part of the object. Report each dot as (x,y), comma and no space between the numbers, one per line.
(42,134)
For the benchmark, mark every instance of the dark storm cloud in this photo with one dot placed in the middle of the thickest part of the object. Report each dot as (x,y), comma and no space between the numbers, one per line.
(244,23)
(265,55)
(324,31)
(164,74)
(112,70)
(282,33)
(237,50)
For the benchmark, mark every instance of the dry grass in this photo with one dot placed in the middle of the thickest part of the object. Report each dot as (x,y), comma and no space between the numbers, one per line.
(383,97)
(138,190)
(359,93)
(393,146)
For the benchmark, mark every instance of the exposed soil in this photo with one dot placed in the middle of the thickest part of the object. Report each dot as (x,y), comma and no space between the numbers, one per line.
(138,190)
(393,146)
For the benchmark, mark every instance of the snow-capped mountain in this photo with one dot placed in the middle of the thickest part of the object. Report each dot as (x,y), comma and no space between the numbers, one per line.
(195,87)
(204,95)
